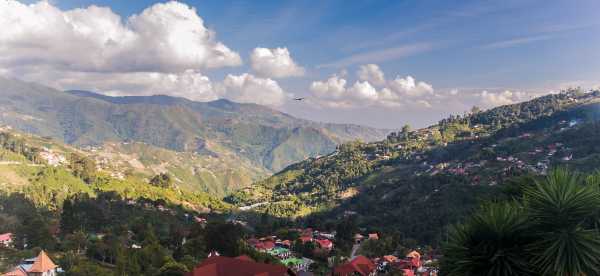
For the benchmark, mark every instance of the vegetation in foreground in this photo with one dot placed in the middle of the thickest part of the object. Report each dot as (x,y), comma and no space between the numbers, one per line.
(551,229)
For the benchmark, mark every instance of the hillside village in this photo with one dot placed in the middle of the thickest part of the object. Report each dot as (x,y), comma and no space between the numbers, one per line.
(86,211)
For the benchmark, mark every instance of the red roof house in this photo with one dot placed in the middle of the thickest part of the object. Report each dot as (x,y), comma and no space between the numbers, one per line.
(240,266)
(373,236)
(325,244)
(360,265)
(264,246)
(41,265)
(6,239)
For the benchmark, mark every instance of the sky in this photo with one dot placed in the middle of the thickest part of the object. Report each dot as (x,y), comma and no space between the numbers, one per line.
(377,63)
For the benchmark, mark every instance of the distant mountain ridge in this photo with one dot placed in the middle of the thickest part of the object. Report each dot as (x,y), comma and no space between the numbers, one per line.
(267,138)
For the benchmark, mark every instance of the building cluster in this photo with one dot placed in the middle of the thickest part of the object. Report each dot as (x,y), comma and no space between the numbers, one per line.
(284,249)
(52,158)
(41,265)
(409,265)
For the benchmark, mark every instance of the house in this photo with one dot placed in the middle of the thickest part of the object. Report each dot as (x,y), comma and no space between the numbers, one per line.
(390,258)
(360,265)
(280,252)
(264,246)
(41,265)
(286,243)
(373,236)
(6,239)
(358,238)
(325,244)
(415,258)
(239,266)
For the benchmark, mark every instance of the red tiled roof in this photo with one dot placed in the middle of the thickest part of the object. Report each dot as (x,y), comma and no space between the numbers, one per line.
(325,243)
(390,258)
(266,245)
(18,271)
(360,264)
(42,263)
(226,266)
(5,237)
(244,258)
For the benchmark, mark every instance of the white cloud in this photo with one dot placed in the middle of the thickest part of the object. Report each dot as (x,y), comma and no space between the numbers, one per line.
(399,92)
(166,37)
(274,63)
(492,99)
(371,73)
(409,87)
(247,88)
(331,89)
(363,91)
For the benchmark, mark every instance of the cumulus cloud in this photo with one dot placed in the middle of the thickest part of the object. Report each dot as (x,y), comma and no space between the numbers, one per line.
(274,63)
(331,89)
(492,99)
(409,87)
(166,37)
(400,91)
(371,73)
(247,88)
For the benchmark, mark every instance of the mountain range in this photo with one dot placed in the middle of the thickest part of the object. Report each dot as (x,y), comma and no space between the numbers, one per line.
(252,140)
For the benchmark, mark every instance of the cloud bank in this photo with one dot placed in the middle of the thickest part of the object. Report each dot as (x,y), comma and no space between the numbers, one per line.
(165,49)
(364,92)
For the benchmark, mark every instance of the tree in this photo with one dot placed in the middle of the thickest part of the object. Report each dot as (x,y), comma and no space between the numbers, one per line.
(83,167)
(559,209)
(475,110)
(68,220)
(224,238)
(162,180)
(405,131)
(489,243)
(553,231)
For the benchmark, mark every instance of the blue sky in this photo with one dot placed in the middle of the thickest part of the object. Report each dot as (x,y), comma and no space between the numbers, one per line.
(459,48)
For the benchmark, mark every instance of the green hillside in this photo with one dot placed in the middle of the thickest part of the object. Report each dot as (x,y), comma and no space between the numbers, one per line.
(234,144)
(417,182)
(46,173)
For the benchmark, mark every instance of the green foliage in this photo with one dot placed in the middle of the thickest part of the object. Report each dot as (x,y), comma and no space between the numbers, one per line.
(492,242)
(225,238)
(83,167)
(162,180)
(548,234)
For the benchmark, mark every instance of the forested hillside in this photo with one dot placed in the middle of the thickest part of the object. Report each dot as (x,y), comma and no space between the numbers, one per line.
(47,172)
(419,181)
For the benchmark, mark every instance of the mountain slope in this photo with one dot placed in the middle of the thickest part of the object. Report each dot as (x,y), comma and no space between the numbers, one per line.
(417,182)
(46,172)
(267,139)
